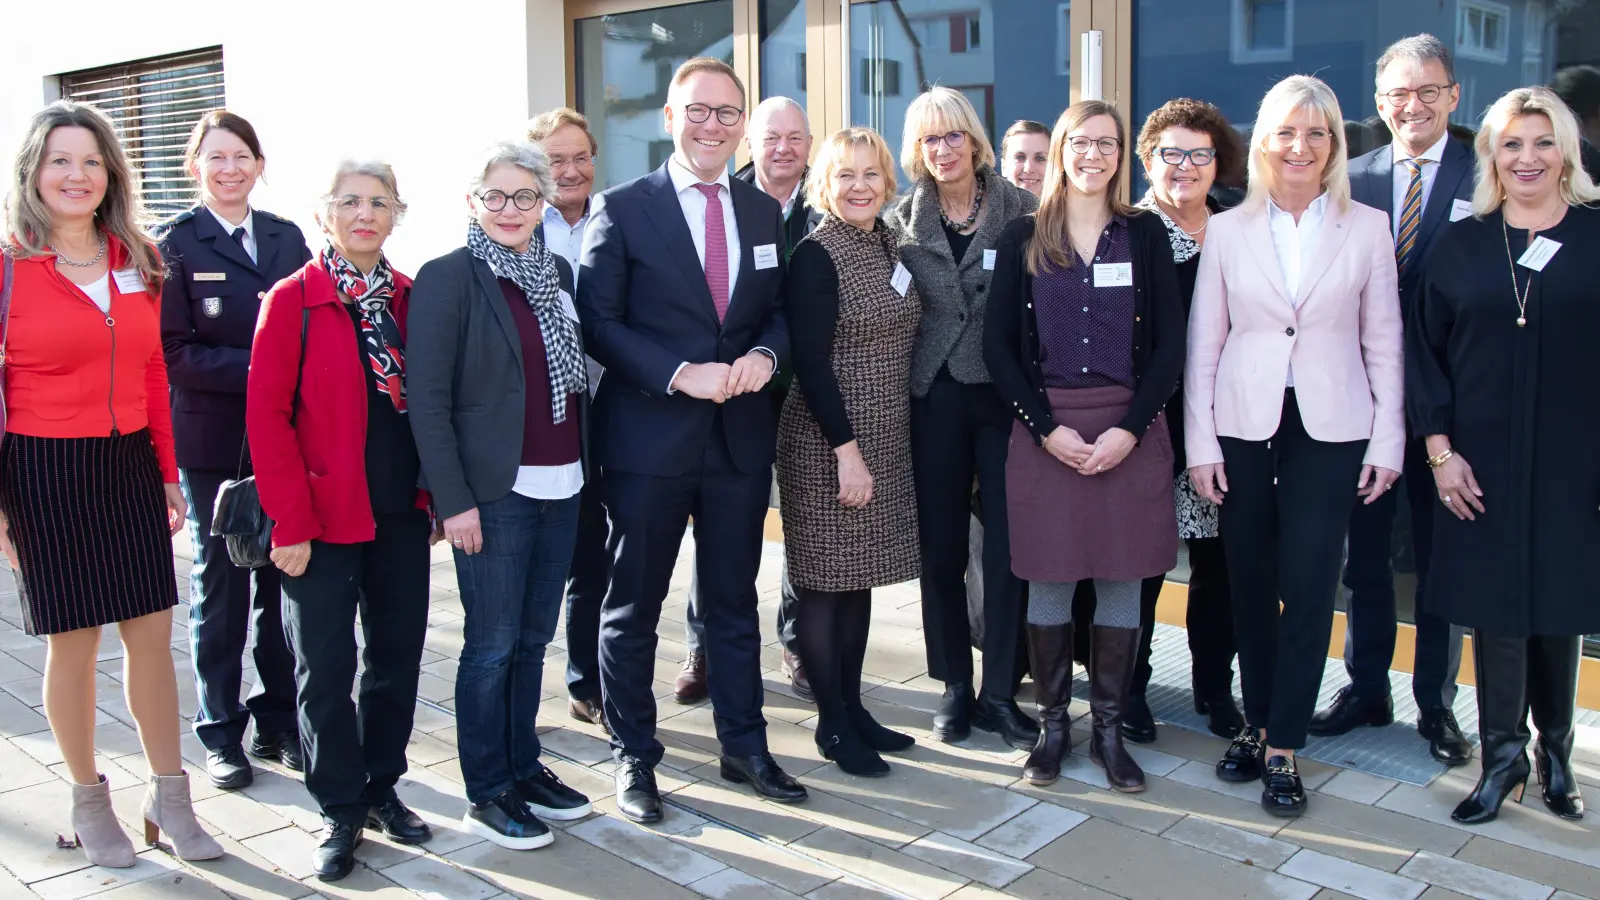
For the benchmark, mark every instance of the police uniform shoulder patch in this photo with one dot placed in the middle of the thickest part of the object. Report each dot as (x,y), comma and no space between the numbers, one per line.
(161,230)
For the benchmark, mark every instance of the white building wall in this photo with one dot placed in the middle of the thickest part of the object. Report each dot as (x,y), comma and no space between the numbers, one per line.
(418,83)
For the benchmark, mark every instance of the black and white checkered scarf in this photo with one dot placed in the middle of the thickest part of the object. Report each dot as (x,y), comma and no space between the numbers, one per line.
(535,273)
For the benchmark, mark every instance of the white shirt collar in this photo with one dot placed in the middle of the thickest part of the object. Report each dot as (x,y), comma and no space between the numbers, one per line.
(1434,154)
(249,223)
(683,179)
(1316,210)
(554,216)
(793,192)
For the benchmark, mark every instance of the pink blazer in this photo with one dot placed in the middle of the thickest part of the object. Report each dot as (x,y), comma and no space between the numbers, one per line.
(1344,340)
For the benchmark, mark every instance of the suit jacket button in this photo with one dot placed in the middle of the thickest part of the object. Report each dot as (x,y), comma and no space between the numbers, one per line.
(1289,331)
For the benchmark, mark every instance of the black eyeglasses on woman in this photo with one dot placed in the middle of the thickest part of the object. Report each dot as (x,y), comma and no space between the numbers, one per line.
(494,201)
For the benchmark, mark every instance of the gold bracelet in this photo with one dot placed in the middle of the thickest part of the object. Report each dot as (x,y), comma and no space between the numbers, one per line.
(1435,462)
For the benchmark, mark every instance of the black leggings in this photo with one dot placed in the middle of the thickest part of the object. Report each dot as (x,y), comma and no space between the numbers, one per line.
(832,630)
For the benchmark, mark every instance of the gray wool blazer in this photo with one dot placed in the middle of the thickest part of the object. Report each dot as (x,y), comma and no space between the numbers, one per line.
(954,298)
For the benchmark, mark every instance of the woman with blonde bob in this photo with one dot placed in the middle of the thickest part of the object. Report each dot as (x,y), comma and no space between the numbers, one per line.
(844,456)
(1495,384)
(1084,337)
(948,226)
(1292,410)
(89,496)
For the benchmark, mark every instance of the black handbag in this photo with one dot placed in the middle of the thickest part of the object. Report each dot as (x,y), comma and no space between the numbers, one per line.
(238,515)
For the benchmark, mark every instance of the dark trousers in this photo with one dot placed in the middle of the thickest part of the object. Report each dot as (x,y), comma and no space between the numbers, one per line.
(1209,621)
(1522,675)
(587,580)
(355,752)
(648,517)
(694,624)
(1370,617)
(959,431)
(221,613)
(511,592)
(1283,525)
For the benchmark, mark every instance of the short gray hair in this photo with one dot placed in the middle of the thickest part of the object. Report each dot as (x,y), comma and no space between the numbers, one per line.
(771,105)
(372,168)
(1418,48)
(525,155)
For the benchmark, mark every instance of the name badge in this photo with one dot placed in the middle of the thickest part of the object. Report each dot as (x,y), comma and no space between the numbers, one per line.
(766,256)
(901,280)
(567,306)
(989,257)
(211,276)
(128,281)
(1539,253)
(1113,274)
(1460,209)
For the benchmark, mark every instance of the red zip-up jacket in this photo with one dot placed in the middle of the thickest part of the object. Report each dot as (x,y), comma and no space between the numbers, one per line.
(73,371)
(312,474)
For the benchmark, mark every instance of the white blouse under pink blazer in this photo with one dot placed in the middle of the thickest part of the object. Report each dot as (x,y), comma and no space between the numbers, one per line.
(1343,339)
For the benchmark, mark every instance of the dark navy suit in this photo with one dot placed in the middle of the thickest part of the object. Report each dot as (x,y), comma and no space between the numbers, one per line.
(208,319)
(1370,614)
(646,309)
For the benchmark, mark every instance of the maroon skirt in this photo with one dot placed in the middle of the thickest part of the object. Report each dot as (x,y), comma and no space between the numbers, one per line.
(1118,525)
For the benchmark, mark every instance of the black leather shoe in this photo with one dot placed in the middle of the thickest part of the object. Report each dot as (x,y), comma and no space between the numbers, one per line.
(1445,740)
(398,823)
(1002,716)
(852,755)
(761,772)
(1138,723)
(877,736)
(638,798)
(1282,793)
(228,769)
(1223,718)
(283,748)
(1348,712)
(1242,761)
(795,671)
(550,798)
(336,855)
(507,821)
(590,711)
(952,721)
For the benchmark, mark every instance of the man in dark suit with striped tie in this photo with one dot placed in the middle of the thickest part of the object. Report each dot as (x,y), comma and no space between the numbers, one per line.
(1423,179)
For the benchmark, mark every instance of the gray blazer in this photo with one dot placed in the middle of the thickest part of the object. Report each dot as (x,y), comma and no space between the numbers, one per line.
(464,383)
(954,298)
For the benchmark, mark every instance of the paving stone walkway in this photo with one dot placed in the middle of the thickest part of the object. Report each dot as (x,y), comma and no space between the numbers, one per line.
(950,822)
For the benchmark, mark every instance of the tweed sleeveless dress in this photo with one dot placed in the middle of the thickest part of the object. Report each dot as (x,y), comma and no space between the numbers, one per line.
(831,547)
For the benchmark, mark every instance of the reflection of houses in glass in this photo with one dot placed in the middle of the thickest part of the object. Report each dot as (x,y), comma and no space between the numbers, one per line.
(627,63)
(783,50)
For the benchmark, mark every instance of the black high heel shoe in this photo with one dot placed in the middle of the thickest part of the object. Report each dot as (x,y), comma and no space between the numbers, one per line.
(1494,788)
(1557,786)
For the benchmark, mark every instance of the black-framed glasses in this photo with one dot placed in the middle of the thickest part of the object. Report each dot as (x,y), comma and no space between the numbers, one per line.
(494,201)
(1428,93)
(1199,156)
(951,139)
(698,113)
(1106,146)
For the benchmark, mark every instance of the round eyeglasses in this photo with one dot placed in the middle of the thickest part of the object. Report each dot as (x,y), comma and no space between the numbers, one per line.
(1199,156)
(1106,146)
(494,201)
(1428,93)
(698,113)
(951,139)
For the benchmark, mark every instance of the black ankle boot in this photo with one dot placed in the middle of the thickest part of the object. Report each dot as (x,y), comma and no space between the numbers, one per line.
(1501,666)
(952,721)
(876,735)
(1002,716)
(1050,657)
(1223,717)
(851,754)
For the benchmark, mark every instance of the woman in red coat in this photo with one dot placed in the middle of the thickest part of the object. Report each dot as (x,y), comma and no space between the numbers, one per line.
(337,470)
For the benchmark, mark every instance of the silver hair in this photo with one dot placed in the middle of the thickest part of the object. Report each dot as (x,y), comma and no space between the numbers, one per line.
(525,155)
(772,105)
(1418,48)
(372,168)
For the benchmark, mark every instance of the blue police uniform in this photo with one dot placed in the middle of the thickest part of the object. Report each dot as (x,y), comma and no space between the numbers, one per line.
(208,320)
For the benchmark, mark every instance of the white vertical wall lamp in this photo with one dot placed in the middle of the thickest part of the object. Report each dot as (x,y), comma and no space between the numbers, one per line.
(1089,50)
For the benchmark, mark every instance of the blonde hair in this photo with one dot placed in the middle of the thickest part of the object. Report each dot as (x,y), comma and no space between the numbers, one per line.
(832,156)
(935,109)
(1051,245)
(28,220)
(1295,93)
(373,169)
(704,64)
(1575,185)
(540,127)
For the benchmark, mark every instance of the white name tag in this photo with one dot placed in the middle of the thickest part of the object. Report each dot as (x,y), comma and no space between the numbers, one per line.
(211,276)
(901,279)
(1460,209)
(567,306)
(988,260)
(1113,274)
(128,281)
(1539,253)
(766,256)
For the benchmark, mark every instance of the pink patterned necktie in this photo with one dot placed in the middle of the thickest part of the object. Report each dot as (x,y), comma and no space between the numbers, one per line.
(716,250)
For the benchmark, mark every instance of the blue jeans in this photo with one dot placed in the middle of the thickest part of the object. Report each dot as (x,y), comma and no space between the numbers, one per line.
(511,591)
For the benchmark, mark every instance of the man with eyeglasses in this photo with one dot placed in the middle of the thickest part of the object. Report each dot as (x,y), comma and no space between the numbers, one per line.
(680,298)
(1423,179)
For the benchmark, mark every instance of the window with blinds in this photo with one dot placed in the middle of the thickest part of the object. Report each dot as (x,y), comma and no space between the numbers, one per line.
(155,103)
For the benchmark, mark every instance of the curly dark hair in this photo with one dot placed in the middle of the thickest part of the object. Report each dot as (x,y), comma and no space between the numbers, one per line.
(1196,115)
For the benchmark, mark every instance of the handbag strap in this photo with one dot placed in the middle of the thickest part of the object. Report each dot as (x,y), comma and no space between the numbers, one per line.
(299,374)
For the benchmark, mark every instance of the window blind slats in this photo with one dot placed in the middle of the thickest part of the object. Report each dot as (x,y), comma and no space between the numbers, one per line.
(154,104)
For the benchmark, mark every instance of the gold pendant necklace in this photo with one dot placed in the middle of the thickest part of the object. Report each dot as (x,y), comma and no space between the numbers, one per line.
(1522,297)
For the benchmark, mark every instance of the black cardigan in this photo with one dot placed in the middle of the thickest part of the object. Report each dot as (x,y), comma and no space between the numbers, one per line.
(1011,331)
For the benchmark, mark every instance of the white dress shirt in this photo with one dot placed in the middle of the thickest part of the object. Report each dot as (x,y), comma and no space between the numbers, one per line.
(249,226)
(1295,243)
(788,204)
(550,482)
(566,241)
(1402,177)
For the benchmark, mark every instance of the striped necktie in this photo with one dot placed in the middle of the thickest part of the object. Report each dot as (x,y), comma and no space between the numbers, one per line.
(1405,244)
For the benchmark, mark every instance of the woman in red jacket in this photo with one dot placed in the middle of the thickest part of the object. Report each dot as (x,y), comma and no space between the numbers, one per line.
(336,466)
(89,495)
